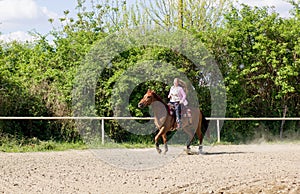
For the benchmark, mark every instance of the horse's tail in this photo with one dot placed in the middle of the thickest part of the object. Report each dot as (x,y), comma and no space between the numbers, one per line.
(204,124)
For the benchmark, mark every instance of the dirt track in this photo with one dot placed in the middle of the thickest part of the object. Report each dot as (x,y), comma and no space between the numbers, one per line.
(227,169)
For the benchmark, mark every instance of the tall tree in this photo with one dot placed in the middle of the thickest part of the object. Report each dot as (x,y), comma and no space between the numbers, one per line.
(195,15)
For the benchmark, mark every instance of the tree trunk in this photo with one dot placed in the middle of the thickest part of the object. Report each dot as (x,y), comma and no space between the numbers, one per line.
(180,14)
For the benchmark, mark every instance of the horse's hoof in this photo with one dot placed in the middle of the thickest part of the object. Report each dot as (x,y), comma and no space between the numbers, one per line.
(165,152)
(201,152)
(188,151)
(158,151)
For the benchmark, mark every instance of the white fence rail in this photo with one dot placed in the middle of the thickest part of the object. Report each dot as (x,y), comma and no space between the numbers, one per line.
(149,118)
(248,119)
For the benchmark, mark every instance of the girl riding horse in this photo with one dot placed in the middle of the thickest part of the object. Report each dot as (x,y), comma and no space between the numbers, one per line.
(165,122)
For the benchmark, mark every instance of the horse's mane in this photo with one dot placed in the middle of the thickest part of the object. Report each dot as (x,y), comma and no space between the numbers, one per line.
(161,100)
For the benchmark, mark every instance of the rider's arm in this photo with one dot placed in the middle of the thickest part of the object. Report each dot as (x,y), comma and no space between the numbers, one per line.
(169,96)
(182,94)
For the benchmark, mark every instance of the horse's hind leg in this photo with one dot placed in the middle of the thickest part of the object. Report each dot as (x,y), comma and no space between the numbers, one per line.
(189,141)
(200,137)
(164,136)
(201,146)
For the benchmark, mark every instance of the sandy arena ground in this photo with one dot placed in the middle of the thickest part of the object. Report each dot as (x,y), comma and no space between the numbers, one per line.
(224,169)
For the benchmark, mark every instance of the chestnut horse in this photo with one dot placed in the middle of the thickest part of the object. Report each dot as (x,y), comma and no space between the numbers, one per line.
(165,121)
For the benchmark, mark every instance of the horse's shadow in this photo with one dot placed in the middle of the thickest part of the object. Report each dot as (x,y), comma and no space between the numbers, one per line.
(216,153)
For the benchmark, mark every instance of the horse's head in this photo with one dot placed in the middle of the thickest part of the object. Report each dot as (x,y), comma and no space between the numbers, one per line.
(147,99)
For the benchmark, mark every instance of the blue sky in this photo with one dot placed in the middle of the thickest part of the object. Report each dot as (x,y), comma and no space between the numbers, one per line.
(17,17)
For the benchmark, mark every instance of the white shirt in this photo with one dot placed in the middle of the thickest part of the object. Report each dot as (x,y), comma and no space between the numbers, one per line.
(174,92)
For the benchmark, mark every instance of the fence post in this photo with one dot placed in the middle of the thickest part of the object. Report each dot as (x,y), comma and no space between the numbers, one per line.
(218,130)
(102,130)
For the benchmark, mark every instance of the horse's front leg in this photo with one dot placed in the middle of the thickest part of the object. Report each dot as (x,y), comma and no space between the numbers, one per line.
(156,140)
(157,147)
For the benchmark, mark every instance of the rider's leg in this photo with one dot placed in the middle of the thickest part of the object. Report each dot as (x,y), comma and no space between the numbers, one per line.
(178,114)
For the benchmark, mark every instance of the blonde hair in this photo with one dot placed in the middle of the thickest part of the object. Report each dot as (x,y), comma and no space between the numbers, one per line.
(182,84)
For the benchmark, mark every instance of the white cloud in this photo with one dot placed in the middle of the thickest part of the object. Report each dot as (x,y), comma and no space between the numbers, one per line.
(18,9)
(18,36)
(48,13)
(14,10)
(18,16)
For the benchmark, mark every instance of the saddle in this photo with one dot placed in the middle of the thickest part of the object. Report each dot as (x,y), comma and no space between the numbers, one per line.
(185,112)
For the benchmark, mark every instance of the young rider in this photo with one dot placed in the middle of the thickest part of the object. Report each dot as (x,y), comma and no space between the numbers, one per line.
(177,97)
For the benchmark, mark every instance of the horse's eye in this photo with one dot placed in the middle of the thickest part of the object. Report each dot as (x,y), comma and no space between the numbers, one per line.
(148,96)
